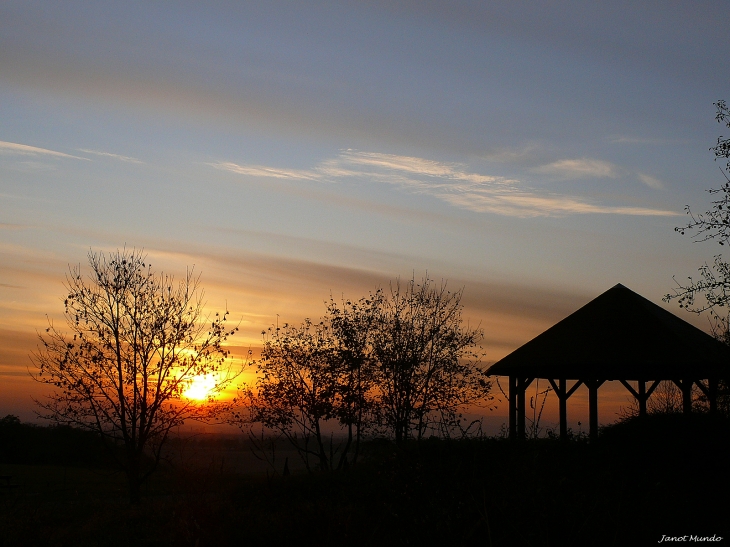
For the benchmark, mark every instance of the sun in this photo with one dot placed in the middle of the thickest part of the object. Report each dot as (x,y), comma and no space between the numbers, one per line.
(200,387)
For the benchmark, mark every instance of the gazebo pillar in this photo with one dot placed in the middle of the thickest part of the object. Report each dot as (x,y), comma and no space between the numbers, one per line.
(643,394)
(593,386)
(563,393)
(512,407)
(712,385)
(686,387)
(522,385)
(687,396)
(563,410)
(710,391)
(593,409)
(642,398)
(520,408)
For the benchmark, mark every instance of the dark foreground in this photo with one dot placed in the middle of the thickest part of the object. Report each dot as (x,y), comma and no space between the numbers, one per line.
(667,477)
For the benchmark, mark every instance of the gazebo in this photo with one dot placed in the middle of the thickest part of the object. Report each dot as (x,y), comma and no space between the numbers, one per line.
(621,336)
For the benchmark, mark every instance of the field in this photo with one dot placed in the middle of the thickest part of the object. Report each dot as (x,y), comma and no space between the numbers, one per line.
(667,476)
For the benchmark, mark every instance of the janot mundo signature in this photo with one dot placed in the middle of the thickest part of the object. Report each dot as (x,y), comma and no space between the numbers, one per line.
(689,538)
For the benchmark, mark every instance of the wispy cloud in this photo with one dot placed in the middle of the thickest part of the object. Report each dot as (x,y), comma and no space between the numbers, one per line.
(525,204)
(26,150)
(578,168)
(454,184)
(264,171)
(412,170)
(110,155)
(651,182)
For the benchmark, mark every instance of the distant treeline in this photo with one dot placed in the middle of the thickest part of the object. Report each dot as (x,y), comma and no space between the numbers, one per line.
(24,443)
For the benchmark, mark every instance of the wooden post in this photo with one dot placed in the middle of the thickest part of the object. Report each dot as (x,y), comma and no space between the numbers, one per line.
(593,386)
(709,391)
(593,409)
(521,387)
(512,407)
(563,393)
(563,409)
(687,396)
(642,398)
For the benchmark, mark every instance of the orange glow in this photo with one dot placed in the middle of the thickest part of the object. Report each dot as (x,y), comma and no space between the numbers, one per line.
(200,387)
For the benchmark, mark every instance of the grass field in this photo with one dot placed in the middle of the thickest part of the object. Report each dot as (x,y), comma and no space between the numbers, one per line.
(666,477)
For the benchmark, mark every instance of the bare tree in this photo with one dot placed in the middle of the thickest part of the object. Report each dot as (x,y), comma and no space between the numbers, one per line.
(352,324)
(401,363)
(136,341)
(295,390)
(711,291)
(428,361)
(316,376)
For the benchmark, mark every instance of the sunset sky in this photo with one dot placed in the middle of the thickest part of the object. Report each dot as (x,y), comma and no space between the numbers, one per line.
(535,154)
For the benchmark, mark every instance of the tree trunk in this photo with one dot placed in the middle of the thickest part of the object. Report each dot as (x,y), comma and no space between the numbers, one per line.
(135,485)
(133,477)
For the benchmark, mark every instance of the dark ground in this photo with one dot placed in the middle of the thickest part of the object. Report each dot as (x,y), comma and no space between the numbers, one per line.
(667,476)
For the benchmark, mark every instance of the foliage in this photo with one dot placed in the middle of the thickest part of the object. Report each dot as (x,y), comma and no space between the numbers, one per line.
(352,324)
(713,287)
(399,363)
(296,387)
(428,362)
(711,292)
(136,341)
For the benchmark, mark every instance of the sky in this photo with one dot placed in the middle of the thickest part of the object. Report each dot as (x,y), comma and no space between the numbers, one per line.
(533,153)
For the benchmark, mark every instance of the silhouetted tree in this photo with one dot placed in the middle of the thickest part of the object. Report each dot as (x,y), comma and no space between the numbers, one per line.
(401,363)
(136,339)
(296,388)
(428,361)
(352,324)
(713,287)
(711,292)
(314,375)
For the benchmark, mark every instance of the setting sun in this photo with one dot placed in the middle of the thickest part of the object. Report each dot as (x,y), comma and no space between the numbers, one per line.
(200,387)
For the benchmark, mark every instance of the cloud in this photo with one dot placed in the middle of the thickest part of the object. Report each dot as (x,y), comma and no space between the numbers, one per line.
(454,184)
(259,286)
(417,167)
(526,204)
(25,150)
(651,182)
(110,155)
(263,171)
(579,168)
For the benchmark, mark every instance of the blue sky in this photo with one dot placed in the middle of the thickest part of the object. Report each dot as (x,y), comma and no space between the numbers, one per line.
(536,153)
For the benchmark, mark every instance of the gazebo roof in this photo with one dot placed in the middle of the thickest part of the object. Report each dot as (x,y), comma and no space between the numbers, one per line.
(619,335)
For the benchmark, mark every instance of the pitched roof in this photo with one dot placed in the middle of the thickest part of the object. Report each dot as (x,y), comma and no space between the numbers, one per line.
(619,335)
